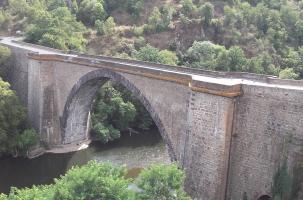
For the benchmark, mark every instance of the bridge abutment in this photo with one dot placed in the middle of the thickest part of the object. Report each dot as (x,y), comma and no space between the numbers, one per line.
(229,142)
(208,145)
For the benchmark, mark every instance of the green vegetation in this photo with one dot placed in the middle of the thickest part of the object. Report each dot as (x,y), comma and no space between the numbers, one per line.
(15,137)
(262,36)
(103,181)
(115,110)
(151,54)
(161,182)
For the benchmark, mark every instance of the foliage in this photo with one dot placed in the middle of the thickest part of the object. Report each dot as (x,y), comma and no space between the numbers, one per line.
(188,7)
(160,19)
(90,11)
(91,181)
(161,182)
(57,28)
(97,181)
(206,55)
(288,73)
(115,109)
(14,135)
(5,19)
(5,53)
(152,54)
(207,13)
(105,28)
(111,114)
(133,7)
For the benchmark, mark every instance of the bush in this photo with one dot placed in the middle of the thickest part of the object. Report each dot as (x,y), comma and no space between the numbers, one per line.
(138,31)
(188,7)
(97,181)
(57,29)
(13,136)
(105,28)
(207,13)
(90,11)
(161,182)
(288,73)
(152,54)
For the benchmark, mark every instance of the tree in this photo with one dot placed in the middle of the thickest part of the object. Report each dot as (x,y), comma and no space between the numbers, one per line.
(154,20)
(14,138)
(105,28)
(95,181)
(203,54)
(299,31)
(90,11)
(111,114)
(207,13)
(91,181)
(188,7)
(5,53)
(168,57)
(161,182)
(57,28)
(152,54)
(288,73)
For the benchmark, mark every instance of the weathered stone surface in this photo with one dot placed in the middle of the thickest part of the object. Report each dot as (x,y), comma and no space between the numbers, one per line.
(229,139)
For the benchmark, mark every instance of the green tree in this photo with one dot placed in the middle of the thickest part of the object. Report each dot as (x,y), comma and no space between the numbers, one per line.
(14,138)
(90,11)
(207,13)
(91,181)
(152,54)
(161,182)
(57,29)
(203,54)
(111,114)
(288,73)
(188,7)
(105,28)
(154,20)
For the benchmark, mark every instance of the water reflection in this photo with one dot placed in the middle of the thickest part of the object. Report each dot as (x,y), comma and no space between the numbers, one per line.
(136,152)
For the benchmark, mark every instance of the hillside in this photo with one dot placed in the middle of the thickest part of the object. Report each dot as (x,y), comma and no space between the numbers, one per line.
(258,36)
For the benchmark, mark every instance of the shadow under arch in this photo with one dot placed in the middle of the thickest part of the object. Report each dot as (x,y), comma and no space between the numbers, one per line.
(74,121)
(264,197)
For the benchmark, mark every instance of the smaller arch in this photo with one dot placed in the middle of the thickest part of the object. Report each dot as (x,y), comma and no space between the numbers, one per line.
(265,197)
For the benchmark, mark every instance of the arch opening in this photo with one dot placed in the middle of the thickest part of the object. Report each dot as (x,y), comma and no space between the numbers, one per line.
(75,122)
(264,197)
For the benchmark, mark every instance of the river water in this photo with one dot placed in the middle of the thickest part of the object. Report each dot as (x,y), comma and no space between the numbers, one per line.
(136,152)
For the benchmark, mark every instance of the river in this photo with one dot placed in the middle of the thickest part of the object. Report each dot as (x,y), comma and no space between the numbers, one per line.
(136,152)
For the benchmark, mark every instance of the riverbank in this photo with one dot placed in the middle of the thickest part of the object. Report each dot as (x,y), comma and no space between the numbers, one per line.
(39,151)
(135,152)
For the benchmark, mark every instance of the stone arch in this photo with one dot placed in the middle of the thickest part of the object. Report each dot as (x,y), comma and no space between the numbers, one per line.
(264,197)
(74,121)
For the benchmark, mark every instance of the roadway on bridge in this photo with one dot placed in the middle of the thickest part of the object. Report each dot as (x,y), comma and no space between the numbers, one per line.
(14,42)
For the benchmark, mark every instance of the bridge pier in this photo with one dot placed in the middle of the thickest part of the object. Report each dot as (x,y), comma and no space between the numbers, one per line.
(227,130)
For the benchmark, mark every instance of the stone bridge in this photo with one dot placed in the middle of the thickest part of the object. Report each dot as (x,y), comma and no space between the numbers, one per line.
(230,131)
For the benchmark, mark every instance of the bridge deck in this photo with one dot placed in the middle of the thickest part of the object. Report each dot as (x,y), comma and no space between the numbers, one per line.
(199,78)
